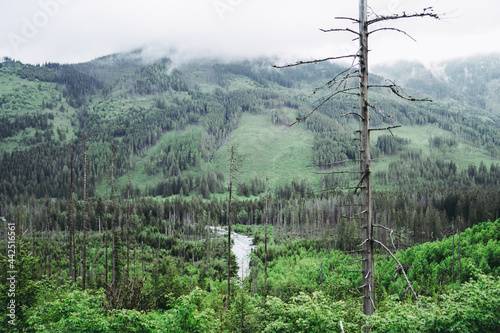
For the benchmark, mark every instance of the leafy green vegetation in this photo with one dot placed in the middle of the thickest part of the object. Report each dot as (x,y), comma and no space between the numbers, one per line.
(309,289)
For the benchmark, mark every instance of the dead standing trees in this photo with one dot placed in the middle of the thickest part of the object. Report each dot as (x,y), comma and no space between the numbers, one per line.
(341,85)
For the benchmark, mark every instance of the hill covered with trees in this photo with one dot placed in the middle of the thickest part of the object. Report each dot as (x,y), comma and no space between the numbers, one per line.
(156,139)
(172,124)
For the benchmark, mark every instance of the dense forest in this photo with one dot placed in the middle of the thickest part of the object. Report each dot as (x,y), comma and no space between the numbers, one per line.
(116,170)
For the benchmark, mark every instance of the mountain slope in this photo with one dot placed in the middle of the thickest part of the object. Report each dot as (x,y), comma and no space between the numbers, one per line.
(172,125)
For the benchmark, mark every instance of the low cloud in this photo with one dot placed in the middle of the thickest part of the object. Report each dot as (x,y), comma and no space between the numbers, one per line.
(72,31)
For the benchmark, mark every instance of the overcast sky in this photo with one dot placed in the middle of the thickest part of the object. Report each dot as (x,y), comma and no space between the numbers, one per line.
(70,31)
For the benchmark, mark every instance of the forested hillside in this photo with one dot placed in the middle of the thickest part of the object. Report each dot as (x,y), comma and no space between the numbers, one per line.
(157,135)
(172,125)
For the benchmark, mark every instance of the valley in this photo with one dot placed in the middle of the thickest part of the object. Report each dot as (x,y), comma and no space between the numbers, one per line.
(114,171)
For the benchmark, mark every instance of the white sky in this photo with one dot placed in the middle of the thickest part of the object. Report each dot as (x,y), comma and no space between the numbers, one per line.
(70,31)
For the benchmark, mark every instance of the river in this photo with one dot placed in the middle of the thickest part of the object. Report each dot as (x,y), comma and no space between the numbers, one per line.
(242,247)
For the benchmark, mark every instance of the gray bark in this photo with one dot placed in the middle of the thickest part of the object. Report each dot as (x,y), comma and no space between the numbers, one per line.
(365,165)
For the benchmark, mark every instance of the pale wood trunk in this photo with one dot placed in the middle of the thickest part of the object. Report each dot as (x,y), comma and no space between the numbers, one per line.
(229,229)
(84,264)
(365,164)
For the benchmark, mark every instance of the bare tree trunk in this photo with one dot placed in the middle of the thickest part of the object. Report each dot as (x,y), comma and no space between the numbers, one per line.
(84,267)
(341,85)
(365,162)
(265,239)
(453,251)
(113,250)
(72,264)
(231,169)
(135,257)
(459,257)
(128,226)
(106,218)
(142,258)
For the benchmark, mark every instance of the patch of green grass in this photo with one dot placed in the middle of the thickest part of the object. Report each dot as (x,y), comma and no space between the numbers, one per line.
(24,97)
(265,150)
(235,82)
(462,155)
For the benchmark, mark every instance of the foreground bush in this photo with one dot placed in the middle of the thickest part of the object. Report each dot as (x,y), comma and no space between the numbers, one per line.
(472,308)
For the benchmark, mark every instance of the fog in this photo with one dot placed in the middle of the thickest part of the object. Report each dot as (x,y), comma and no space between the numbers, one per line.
(70,31)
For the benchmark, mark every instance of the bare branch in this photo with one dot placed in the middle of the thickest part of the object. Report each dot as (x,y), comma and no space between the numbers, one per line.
(382,129)
(354,251)
(382,226)
(363,212)
(340,30)
(334,172)
(390,235)
(338,82)
(402,268)
(361,181)
(299,119)
(398,91)
(373,303)
(347,18)
(385,114)
(336,189)
(352,72)
(353,94)
(355,113)
(355,262)
(351,217)
(333,163)
(366,240)
(392,240)
(427,12)
(394,29)
(353,66)
(315,61)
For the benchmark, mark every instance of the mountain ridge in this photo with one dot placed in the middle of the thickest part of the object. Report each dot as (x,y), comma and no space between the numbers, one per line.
(133,102)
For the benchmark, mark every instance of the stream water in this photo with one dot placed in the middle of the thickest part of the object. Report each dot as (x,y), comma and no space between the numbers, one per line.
(241,248)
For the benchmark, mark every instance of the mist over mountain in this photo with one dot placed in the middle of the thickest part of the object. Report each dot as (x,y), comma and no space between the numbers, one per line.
(474,82)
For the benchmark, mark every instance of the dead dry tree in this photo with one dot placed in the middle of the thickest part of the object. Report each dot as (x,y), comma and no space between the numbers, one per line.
(85,212)
(231,175)
(72,260)
(366,24)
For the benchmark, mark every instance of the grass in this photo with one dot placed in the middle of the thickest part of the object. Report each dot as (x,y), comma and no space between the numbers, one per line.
(25,97)
(265,150)
(463,155)
(283,154)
